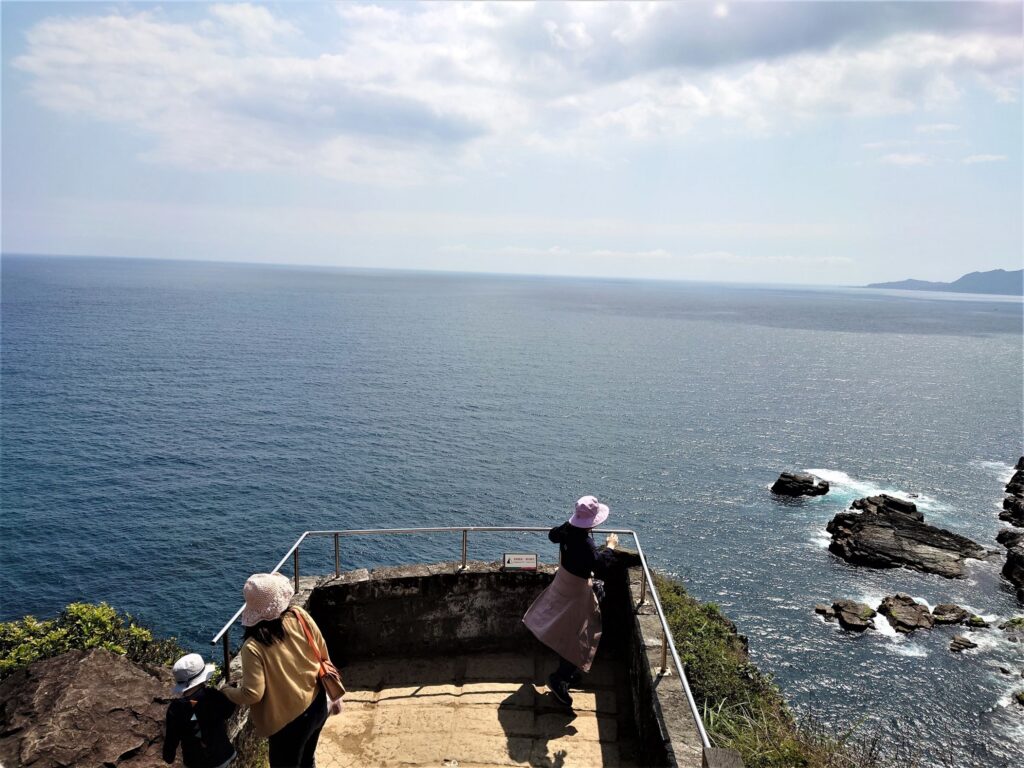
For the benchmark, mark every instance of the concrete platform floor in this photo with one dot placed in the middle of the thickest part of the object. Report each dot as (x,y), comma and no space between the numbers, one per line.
(478,711)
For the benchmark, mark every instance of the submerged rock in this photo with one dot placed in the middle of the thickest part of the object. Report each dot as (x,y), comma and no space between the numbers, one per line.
(84,708)
(948,613)
(854,616)
(889,533)
(799,484)
(825,610)
(960,644)
(906,614)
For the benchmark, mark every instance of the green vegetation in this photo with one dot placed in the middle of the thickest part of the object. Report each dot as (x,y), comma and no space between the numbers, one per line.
(742,708)
(80,626)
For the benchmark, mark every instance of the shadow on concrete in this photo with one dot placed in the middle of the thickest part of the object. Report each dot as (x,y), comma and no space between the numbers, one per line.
(530,744)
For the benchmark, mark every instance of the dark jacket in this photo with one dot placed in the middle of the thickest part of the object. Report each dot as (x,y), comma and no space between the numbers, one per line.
(198,724)
(580,556)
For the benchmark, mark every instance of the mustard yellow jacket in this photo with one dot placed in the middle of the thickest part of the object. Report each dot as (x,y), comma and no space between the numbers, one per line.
(279,681)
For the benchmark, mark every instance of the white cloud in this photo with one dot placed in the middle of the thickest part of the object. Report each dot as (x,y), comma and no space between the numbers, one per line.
(414,93)
(972,159)
(932,128)
(728,257)
(906,159)
(254,25)
(557,252)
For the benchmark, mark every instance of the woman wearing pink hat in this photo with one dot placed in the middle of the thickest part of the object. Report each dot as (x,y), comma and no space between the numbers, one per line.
(281,672)
(566,616)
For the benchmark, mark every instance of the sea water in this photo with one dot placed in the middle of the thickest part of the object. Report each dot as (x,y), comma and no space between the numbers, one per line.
(170,427)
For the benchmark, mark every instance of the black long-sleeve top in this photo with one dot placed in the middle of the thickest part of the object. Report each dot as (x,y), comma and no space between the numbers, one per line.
(198,724)
(580,556)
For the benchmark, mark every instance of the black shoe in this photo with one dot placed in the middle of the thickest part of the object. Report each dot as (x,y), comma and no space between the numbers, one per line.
(559,690)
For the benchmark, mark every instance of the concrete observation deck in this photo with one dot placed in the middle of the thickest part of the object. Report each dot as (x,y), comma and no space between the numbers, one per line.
(440,671)
(487,709)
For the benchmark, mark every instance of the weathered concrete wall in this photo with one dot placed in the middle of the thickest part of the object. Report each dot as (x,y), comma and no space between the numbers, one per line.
(424,610)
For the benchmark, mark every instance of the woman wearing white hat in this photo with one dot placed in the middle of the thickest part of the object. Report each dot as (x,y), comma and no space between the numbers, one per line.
(280,674)
(566,616)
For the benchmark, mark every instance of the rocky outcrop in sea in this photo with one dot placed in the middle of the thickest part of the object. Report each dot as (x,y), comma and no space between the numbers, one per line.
(905,614)
(886,532)
(851,615)
(799,484)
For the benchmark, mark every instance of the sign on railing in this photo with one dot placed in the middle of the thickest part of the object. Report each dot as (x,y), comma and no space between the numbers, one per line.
(513,561)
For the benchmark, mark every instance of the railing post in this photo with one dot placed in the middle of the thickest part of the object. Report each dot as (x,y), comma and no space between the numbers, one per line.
(643,590)
(664,656)
(296,569)
(337,557)
(465,537)
(227,656)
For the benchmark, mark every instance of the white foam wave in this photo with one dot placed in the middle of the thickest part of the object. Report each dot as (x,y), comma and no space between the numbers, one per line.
(997,469)
(821,538)
(859,488)
(909,649)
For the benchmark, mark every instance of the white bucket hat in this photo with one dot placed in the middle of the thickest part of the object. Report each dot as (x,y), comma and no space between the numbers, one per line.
(190,671)
(267,596)
(589,513)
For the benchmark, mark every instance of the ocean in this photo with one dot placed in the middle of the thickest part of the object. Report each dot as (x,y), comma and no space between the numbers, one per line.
(169,428)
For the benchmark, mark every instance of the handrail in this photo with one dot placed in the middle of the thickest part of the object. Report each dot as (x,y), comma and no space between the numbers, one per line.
(647,585)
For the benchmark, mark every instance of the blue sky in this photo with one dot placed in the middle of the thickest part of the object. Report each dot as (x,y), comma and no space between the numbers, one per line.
(822,142)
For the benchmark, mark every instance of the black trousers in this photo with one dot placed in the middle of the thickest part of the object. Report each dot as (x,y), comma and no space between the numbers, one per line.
(568,672)
(294,746)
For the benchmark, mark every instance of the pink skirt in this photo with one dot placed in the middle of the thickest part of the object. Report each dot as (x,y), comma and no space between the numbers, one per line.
(566,617)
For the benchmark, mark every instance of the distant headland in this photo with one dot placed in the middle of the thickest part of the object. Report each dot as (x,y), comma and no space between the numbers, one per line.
(998,281)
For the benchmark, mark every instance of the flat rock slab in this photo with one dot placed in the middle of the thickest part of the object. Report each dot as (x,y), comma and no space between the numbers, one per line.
(481,710)
(888,532)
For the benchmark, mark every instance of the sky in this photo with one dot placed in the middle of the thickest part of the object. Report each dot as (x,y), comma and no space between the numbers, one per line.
(816,142)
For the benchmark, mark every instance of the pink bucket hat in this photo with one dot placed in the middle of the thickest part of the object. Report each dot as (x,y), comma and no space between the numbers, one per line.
(267,596)
(589,513)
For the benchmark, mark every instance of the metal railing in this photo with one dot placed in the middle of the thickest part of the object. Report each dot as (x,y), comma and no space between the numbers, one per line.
(647,587)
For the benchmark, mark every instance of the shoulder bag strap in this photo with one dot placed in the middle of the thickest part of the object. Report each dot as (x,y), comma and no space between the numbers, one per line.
(309,636)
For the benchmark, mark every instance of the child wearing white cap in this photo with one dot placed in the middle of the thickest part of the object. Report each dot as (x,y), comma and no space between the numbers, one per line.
(197,719)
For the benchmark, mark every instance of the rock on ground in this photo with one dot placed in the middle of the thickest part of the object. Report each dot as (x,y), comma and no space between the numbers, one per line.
(86,709)
(888,532)
(854,616)
(799,484)
(906,614)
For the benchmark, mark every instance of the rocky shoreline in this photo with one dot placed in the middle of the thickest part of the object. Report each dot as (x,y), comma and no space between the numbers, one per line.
(1013,538)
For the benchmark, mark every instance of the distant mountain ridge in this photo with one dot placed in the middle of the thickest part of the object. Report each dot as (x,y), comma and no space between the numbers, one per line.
(999,281)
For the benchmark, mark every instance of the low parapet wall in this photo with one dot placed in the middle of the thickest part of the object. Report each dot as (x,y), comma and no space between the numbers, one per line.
(425,610)
(438,609)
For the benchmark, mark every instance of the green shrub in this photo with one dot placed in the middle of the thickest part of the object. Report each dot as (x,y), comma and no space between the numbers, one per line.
(80,626)
(742,708)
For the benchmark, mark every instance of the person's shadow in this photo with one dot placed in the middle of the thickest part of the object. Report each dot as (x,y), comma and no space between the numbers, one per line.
(527,731)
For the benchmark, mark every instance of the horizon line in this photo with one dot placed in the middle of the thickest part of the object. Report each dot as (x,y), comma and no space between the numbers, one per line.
(481,273)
